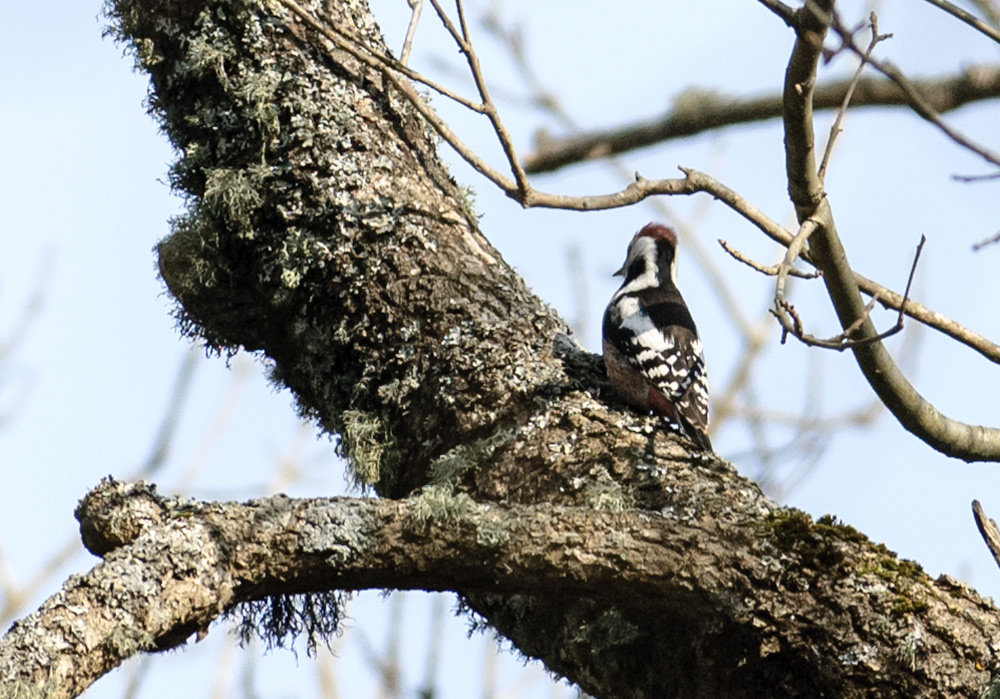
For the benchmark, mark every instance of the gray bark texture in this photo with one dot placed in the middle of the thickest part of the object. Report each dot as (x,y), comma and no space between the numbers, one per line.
(323,233)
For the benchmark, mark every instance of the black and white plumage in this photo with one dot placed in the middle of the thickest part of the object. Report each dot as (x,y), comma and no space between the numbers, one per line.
(651,347)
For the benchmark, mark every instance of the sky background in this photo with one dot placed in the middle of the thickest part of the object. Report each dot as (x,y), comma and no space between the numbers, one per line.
(85,384)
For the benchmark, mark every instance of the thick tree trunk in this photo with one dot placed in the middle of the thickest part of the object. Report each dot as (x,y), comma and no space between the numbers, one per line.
(324,233)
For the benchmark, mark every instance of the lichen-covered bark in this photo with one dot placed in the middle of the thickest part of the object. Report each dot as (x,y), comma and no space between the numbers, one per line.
(323,232)
(690,602)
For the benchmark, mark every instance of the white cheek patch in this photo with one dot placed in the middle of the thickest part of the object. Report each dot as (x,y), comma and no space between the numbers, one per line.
(645,249)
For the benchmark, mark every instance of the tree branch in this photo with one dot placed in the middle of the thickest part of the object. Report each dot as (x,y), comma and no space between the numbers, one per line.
(177,565)
(697,111)
(323,233)
(920,104)
(917,415)
(970,19)
(700,182)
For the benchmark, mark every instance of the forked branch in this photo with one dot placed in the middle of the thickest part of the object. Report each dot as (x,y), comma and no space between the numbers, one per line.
(915,413)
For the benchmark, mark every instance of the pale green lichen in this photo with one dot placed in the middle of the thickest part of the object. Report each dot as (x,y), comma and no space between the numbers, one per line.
(492,531)
(439,504)
(126,642)
(449,468)
(209,55)
(909,647)
(23,690)
(258,91)
(370,446)
(234,195)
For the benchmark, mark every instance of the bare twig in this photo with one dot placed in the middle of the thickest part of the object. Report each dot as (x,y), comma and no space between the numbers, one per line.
(697,111)
(842,112)
(786,13)
(844,340)
(990,8)
(988,529)
(976,178)
(913,411)
(416,6)
(789,318)
(983,243)
(464,43)
(921,105)
(519,190)
(794,250)
(791,324)
(769,270)
(700,182)
(909,281)
(372,59)
(970,19)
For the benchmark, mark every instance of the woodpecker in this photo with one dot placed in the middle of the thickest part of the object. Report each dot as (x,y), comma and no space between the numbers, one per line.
(651,347)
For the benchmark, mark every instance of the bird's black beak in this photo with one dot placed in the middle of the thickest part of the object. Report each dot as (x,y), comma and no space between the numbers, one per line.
(620,273)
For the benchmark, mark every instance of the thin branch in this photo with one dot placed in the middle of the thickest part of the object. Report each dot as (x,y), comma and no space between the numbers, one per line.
(700,182)
(976,178)
(849,418)
(990,8)
(697,111)
(769,270)
(791,254)
(983,243)
(791,324)
(786,13)
(913,411)
(970,19)
(842,112)
(465,45)
(370,58)
(846,339)
(786,314)
(416,7)
(909,281)
(523,193)
(920,104)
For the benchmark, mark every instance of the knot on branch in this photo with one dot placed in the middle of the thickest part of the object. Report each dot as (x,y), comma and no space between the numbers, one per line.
(114,514)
